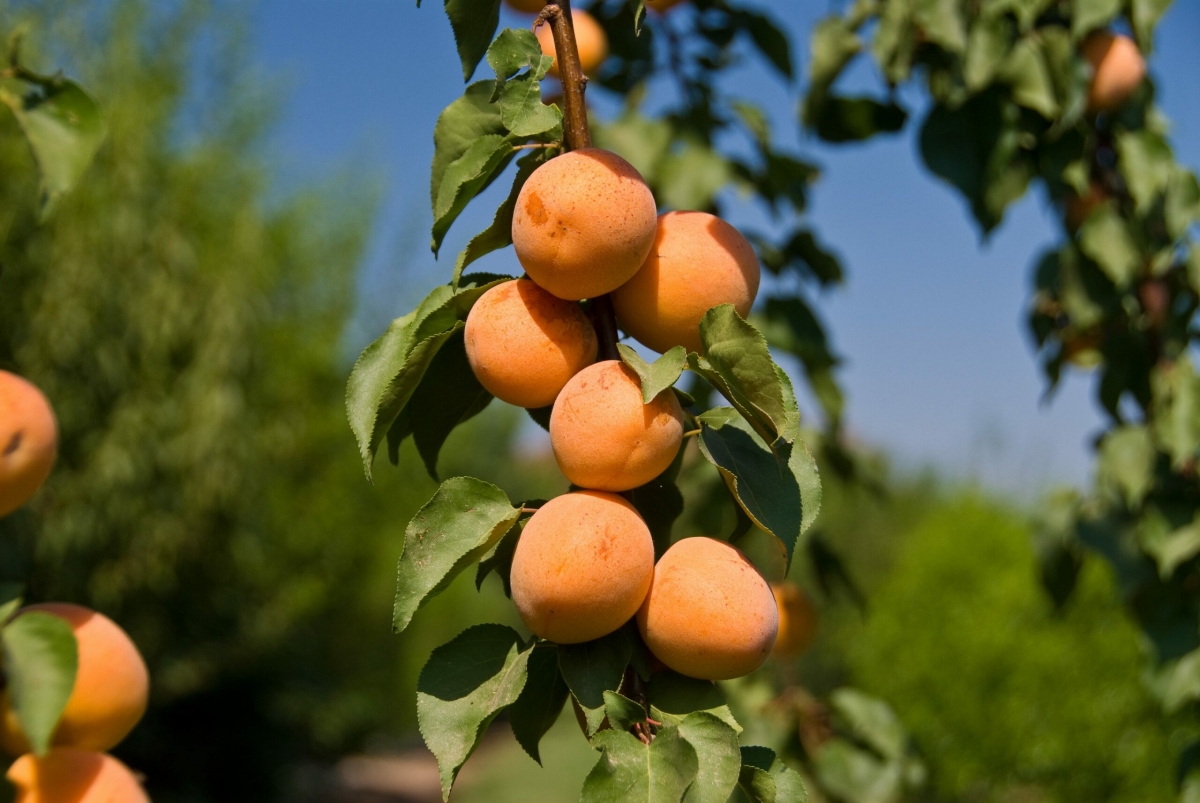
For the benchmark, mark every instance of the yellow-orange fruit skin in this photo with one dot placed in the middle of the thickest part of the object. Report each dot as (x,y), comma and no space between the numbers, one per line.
(661,5)
(590,39)
(525,344)
(582,567)
(527,6)
(584,223)
(709,613)
(1118,68)
(604,437)
(111,686)
(64,775)
(697,262)
(28,441)
(797,620)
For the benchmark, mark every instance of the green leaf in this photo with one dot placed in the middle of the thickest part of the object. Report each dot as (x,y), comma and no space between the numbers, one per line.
(770,41)
(988,45)
(790,325)
(465,518)
(738,363)
(541,700)
(719,758)
(1181,207)
(942,23)
(500,561)
(872,721)
(1169,544)
(660,503)
(520,100)
(1145,16)
(1175,390)
(623,713)
(594,667)
(895,42)
(466,120)
(766,779)
(1126,463)
(778,489)
(466,177)
(803,254)
(642,141)
(1026,72)
(1146,163)
(41,657)
(630,771)
(851,773)
(474,23)
(691,177)
(831,46)
(65,128)
(389,370)
(464,685)
(843,119)
(1088,15)
(1106,238)
(10,600)
(674,696)
(657,376)
(516,49)
(449,395)
(499,234)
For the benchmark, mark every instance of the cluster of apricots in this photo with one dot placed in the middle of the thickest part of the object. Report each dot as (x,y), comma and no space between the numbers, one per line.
(590,38)
(585,226)
(111,681)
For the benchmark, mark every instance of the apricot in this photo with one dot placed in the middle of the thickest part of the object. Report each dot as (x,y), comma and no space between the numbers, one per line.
(1117,70)
(590,40)
(797,620)
(709,613)
(584,223)
(64,775)
(527,6)
(697,262)
(524,344)
(604,437)
(28,441)
(111,685)
(582,566)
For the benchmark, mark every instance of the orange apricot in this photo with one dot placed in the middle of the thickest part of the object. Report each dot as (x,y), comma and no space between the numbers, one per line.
(524,344)
(1118,68)
(582,566)
(709,613)
(28,441)
(584,223)
(111,685)
(590,39)
(797,620)
(698,262)
(604,437)
(64,775)
(527,6)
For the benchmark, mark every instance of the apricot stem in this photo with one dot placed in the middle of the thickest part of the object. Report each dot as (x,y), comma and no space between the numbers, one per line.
(576,135)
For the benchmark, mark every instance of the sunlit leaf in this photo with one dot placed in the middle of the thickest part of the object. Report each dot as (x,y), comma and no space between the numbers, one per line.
(40,661)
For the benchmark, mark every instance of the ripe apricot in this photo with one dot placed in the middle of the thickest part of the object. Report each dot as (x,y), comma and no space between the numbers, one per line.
(604,437)
(111,685)
(590,39)
(64,775)
(524,344)
(582,566)
(28,441)
(1117,70)
(797,620)
(709,613)
(697,262)
(527,6)
(584,224)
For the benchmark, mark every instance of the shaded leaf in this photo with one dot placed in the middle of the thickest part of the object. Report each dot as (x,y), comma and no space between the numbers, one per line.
(657,376)
(1026,72)
(622,713)
(541,700)
(466,177)
(594,667)
(41,657)
(463,686)
(1126,463)
(465,518)
(1107,239)
(500,561)
(674,696)
(659,503)
(846,119)
(766,779)
(474,23)
(499,234)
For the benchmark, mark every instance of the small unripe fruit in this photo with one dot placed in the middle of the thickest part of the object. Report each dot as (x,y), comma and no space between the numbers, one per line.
(604,437)
(584,224)
(697,262)
(590,40)
(797,620)
(582,567)
(28,441)
(1118,68)
(709,613)
(527,6)
(74,776)
(111,685)
(524,344)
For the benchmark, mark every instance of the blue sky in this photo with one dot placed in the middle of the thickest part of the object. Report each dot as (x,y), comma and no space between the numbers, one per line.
(938,368)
